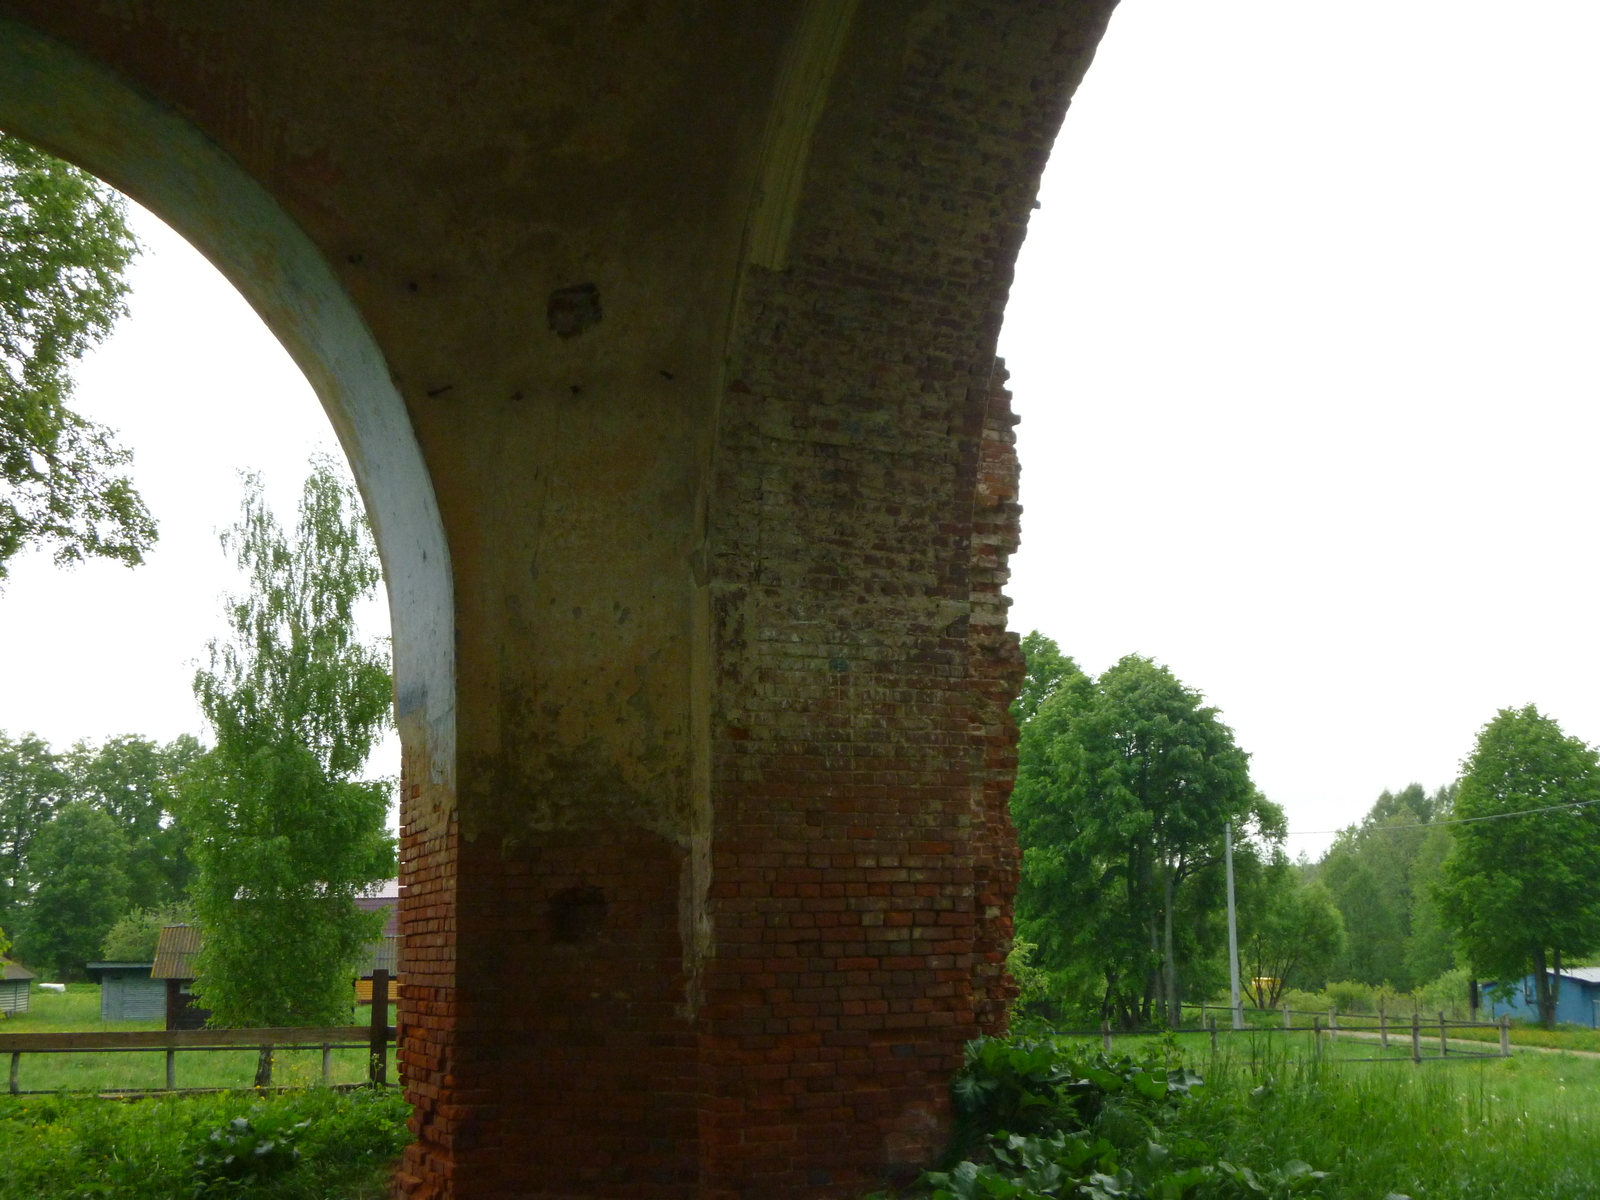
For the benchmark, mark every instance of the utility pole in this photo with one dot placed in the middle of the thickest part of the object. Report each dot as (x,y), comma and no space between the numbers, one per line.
(1233,930)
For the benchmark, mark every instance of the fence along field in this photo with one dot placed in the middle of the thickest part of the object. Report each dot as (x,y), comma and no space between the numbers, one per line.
(135,1061)
(1415,1040)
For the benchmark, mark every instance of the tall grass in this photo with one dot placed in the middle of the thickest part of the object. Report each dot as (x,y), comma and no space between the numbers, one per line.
(1509,1128)
(146,1150)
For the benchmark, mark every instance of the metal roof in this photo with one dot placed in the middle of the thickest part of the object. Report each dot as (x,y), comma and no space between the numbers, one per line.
(385,953)
(175,951)
(1582,974)
(10,971)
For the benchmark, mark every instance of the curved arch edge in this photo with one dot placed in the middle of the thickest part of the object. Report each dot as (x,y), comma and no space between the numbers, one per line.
(75,108)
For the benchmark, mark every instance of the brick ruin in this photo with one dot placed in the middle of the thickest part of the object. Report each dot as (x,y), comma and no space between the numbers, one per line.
(661,336)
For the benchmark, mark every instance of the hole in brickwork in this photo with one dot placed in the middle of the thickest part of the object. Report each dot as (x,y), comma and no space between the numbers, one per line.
(577,915)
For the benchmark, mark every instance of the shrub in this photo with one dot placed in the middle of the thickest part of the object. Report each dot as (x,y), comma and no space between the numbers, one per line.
(133,938)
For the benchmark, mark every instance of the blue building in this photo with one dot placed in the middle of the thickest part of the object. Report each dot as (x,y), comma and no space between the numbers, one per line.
(1577,1001)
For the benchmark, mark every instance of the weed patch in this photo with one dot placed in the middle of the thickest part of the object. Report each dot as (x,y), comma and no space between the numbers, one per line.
(313,1145)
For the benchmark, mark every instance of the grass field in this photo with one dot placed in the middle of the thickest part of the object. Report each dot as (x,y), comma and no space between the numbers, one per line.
(1466,1128)
(78,1010)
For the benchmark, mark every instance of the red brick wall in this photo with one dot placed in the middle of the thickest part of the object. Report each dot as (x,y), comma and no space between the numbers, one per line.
(862,861)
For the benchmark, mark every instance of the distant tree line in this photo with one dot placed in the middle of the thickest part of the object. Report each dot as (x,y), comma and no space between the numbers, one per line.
(1126,783)
(88,836)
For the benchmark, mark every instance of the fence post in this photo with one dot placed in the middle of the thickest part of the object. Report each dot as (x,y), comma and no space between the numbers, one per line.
(378,1046)
(1211,1024)
(1287,1022)
(1444,1040)
(1105,1036)
(1416,1037)
(172,1069)
(1316,1035)
(327,1062)
(16,1068)
(1505,1036)
(264,1067)
(1383,1026)
(1333,1025)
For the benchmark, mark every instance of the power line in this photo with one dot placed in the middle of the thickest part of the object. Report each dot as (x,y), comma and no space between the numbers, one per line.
(1526,812)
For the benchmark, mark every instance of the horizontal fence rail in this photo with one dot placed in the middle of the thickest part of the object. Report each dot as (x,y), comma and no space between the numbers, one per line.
(1412,1031)
(375,1038)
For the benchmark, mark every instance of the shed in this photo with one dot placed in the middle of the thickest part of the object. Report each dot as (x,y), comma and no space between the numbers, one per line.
(384,953)
(1577,999)
(127,991)
(14,981)
(175,951)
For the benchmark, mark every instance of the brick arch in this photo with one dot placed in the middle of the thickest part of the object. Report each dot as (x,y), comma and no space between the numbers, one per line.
(75,108)
(693,307)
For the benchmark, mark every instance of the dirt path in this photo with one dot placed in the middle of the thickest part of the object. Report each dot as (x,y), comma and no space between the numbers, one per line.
(1400,1039)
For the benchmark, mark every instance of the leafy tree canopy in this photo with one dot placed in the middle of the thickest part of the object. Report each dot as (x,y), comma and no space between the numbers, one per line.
(1291,932)
(1520,890)
(64,248)
(134,936)
(77,860)
(284,837)
(1124,787)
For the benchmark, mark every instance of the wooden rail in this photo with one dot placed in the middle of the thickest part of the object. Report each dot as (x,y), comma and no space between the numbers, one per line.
(374,1038)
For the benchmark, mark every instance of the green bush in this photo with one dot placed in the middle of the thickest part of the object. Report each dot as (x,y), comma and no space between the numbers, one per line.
(313,1145)
(1044,1118)
(133,938)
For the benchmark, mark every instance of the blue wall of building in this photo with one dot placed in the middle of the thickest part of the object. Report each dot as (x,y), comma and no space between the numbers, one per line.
(1575,1005)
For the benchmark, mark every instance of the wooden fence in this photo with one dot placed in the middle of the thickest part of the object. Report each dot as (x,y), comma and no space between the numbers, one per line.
(1411,1033)
(376,1037)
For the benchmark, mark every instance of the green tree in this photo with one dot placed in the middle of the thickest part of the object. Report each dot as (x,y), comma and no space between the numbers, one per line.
(1376,949)
(1291,933)
(1520,891)
(284,836)
(134,936)
(1124,786)
(32,785)
(80,891)
(135,781)
(1431,951)
(64,248)
(1047,670)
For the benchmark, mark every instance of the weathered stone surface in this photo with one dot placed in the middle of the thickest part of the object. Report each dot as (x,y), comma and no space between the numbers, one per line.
(692,307)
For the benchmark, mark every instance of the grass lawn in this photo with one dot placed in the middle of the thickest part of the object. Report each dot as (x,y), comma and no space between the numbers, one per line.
(78,1010)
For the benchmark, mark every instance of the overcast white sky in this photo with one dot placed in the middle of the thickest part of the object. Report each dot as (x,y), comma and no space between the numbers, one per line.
(1302,338)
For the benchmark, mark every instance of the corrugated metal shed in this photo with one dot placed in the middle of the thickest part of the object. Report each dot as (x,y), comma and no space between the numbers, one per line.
(175,951)
(128,992)
(14,981)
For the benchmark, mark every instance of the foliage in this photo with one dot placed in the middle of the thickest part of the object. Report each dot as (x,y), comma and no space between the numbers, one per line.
(1520,890)
(135,780)
(1290,933)
(284,837)
(134,936)
(1380,873)
(1045,1118)
(128,779)
(32,784)
(78,861)
(245,1152)
(1033,982)
(1047,671)
(64,248)
(1124,786)
(162,1149)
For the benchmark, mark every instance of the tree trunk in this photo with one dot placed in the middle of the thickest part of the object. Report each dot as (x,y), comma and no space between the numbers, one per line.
(264,1067)
(1174,1006)
(1541,990)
